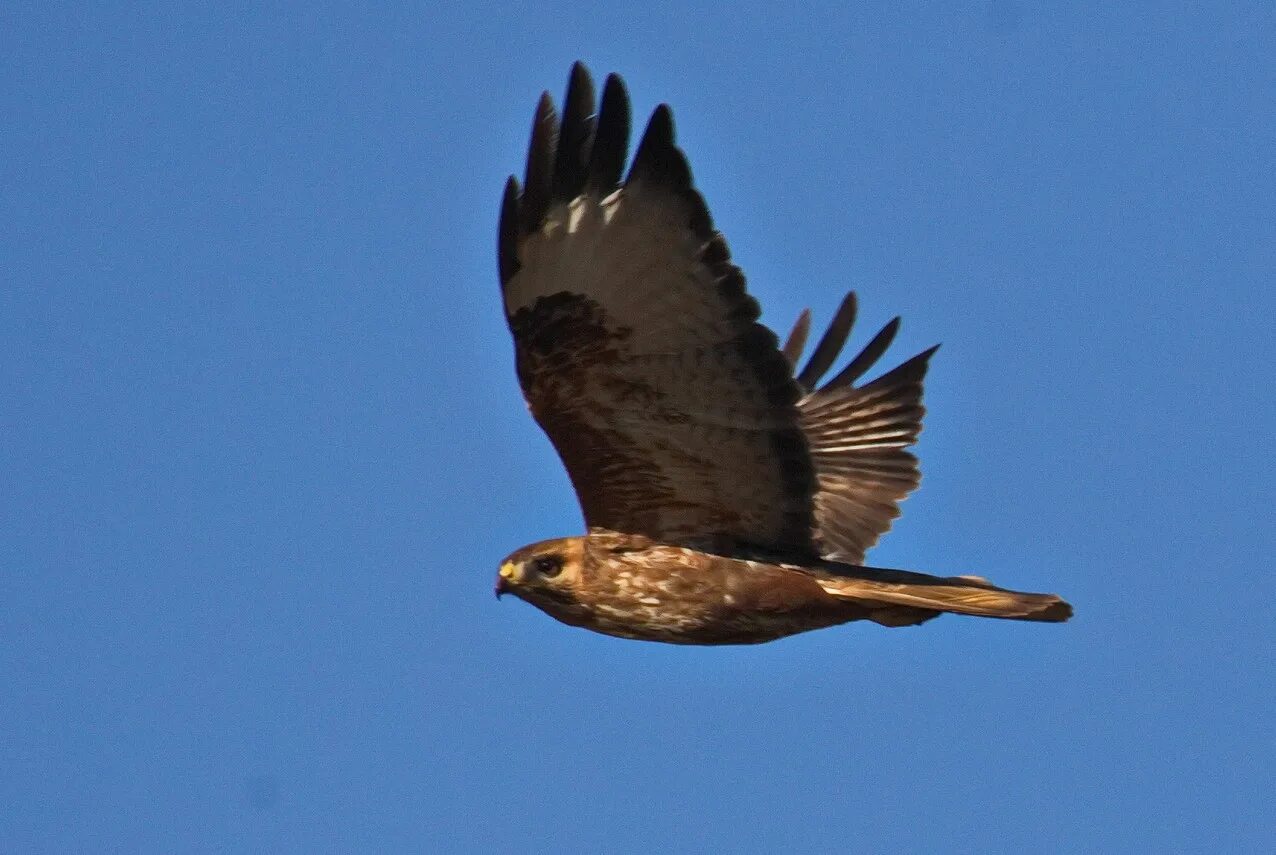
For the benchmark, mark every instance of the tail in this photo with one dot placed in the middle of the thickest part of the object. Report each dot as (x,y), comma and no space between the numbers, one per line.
(903,598)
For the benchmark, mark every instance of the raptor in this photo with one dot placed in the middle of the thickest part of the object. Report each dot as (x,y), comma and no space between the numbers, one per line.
(729,497)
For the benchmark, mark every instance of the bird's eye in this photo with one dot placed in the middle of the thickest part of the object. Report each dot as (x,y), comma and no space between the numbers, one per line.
(548,566)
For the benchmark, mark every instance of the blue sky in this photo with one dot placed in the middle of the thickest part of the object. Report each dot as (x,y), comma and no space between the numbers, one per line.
(263,445)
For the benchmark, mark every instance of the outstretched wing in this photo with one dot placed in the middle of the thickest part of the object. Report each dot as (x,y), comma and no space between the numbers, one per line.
(637,348)
(858,434)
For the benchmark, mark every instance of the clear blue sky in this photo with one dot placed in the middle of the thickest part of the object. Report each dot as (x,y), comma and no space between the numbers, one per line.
(263,446)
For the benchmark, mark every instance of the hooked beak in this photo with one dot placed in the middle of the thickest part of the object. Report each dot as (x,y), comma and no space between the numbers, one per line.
(507,574)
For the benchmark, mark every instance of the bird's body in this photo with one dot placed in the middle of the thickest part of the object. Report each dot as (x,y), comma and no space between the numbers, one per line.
(634,588)
(631,587)
(729,498)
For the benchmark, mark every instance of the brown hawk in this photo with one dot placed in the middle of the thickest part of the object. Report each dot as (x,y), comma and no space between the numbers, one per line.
(727,500)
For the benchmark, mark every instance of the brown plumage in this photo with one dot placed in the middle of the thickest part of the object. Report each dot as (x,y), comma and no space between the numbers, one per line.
(727,500)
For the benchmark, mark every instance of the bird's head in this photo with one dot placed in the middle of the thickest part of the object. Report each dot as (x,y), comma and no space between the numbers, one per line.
(545,574)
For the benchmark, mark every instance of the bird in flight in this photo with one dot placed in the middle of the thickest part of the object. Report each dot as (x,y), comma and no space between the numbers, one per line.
(729,498)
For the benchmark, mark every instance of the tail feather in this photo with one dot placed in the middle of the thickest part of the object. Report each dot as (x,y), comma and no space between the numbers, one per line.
(923,596)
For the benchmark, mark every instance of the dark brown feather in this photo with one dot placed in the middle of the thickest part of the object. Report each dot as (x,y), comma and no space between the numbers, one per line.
(867,357)
(611,140)
(857,437)
(796,342)
(637,346)
(830,343)
(539,176)
(575,137)
(640,354)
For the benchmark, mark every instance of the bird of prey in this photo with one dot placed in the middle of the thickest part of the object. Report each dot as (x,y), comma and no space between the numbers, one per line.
(728,497)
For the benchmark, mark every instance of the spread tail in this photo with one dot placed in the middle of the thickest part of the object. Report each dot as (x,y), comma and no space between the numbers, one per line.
(903,598)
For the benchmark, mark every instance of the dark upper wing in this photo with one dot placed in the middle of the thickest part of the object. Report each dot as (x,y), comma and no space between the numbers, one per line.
(638,350)
(857,434)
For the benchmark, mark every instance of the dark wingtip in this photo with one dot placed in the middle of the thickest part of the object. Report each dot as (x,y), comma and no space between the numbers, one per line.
(797,338)
(658,159)
(508,232)
(831,342)
(541,153)
(611,137)
(660,126)
(913,370)
(575,137)
(867,357)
